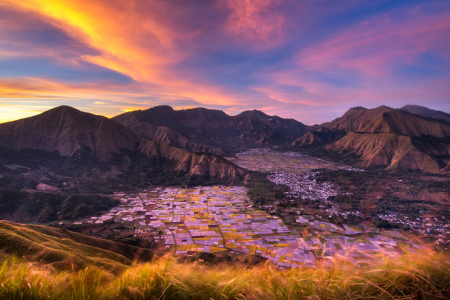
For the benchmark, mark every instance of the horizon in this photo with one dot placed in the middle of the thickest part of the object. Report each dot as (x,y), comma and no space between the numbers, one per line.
(143,109)
(308,61)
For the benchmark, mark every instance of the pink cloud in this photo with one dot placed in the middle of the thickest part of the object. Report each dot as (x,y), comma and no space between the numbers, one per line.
(372,46)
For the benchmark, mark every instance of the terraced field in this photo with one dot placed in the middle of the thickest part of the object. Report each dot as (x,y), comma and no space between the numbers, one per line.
(220,218)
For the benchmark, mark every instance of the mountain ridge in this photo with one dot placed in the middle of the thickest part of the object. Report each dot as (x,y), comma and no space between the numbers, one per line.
(215,129)
(394,139)
(70,133)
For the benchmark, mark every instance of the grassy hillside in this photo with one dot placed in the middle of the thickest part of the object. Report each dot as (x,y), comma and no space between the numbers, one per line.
(38,262)
(63,250)
(411,277)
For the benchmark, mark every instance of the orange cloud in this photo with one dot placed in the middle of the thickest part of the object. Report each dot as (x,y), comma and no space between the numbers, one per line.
(130,41)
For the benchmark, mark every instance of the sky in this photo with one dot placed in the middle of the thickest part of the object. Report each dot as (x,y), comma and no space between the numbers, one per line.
(309,60)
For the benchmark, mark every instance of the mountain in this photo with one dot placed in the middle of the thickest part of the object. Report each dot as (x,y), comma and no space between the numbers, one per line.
(66,138)
(383,137)
(67,130)
(394,152)
(427,113)
(163,134)
(62,249)
(214,129)
(404,123)
(354,117)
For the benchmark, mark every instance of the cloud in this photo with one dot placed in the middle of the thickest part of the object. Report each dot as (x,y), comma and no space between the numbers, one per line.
(255,21)
(359,64)
(127,39)
(308,60)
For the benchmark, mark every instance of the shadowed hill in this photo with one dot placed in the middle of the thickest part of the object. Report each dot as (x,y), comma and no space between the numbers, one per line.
(163,134)
(61,249)
(213,128)
(427,113)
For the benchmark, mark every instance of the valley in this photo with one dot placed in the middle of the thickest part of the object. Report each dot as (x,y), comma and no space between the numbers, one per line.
(300,230)
(220,219)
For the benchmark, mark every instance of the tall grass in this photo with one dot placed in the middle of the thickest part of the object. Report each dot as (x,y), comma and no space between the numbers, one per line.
(413,276)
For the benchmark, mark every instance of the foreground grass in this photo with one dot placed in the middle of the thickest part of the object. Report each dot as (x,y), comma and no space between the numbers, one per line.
(418,276)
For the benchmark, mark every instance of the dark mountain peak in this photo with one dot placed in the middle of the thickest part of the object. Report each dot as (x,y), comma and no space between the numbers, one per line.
(427,112)
(63,108)
(413,106)
(67,114)
(204,113)
(254,114)
(358,108)
(161,109)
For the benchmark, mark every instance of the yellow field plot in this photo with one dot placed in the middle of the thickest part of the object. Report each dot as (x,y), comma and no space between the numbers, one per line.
(230,245)
(231,236)
(201,238)
(283,245)
(189,247)
(216,249)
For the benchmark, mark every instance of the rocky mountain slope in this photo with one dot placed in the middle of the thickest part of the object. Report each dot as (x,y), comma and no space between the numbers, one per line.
(404,123)
(383,137)
(88,139)
(213,128)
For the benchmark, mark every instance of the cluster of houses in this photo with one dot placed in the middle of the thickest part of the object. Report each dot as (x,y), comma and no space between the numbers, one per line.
(304,185)
(439,228)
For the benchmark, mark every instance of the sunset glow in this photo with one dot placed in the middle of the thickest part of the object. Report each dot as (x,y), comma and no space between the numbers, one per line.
(308,60)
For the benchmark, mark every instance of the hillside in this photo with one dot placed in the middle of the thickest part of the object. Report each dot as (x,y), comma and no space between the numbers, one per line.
(62,249)
(354,117)
(213,128)
(392,151)
(404,123)
(72,142)
(413,276)
(393,139)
